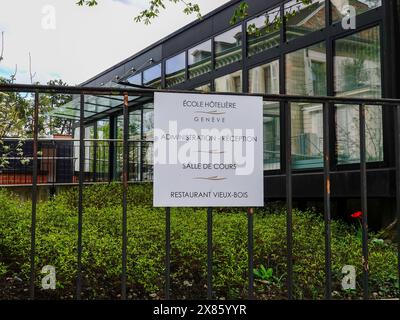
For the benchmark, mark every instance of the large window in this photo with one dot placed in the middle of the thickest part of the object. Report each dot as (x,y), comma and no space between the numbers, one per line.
(265,79)
(175,70)
(306,75)
(199,59)
(229,83)
(263,32)
(152,77)
(358,74)
(341,9)
(228,47)
(303,17)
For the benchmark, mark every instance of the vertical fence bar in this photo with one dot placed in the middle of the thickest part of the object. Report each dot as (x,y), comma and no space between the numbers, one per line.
(363,181)
(124,194)
(167,252)
(397,154)
(34,194)
(289,204)
(327,204)
(250,250)
(209,253)
(80,194)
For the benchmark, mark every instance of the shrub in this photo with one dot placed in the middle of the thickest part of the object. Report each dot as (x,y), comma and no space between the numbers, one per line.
(56,244)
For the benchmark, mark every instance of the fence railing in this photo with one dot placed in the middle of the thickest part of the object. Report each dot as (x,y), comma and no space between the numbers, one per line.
(285,101)
(58,161)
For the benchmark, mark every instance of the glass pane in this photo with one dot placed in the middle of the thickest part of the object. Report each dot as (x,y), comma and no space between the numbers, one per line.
(358,74)
(263,32)
(272,136)
(229,83)
(119,149)
(303,18)
(306,75)
(307,135)
(89,149)
(102,150)
(148,122)
(152,77)
(228,47)
(340,7)
(199,59)
(204,88)
(265,78)
(175,70)
(136,79)
(134,125)
(306,71)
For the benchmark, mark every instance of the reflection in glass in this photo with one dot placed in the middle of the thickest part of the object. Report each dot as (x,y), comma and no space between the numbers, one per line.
(306,71)
(102,150)
(228,47)
(263,32)
(146,146)
(307,135)
(272,136)
(199,59)
(135,118)
(340,7)
(306,75)
(229,83)
(152,77)
(89,148)
(302,18)
(204,88)
(135,79)
(358,74)
(265,79)
(148,122)
(175,70)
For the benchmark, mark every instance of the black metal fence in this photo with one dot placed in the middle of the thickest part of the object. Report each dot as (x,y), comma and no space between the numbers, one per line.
(285,102)
(58,161)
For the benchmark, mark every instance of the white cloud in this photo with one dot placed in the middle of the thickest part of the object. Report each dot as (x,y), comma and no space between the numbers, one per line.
(85,41)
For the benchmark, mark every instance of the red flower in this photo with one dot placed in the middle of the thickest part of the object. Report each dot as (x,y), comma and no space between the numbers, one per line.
(357,214)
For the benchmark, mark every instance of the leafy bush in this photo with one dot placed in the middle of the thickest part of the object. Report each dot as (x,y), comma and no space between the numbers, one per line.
(56,244)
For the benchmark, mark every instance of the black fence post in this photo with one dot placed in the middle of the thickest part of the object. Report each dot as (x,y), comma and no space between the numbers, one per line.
(327,204)
(289,204)
(250,250)
(363,181)
(167,252)
(209,253)
(125,194)
(34,193)
(80,193)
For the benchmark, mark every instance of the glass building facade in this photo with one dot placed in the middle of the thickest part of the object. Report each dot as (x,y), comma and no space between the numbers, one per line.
(293,47)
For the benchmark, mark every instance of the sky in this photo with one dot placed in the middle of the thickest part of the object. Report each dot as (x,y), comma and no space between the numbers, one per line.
(74,43)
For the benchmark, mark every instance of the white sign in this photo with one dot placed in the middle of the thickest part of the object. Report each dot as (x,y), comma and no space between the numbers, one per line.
(208,150)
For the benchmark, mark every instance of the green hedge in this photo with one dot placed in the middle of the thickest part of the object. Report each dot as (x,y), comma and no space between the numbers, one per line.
(57,239)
